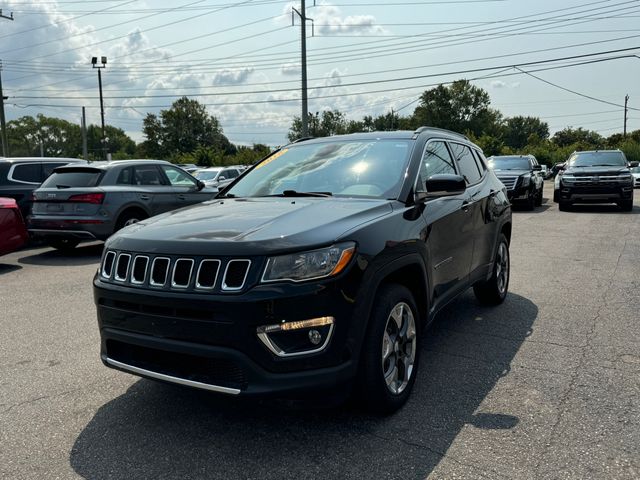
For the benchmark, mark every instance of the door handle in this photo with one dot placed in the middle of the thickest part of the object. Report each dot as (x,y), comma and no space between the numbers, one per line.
(466,204)
(144,197)
(182,197)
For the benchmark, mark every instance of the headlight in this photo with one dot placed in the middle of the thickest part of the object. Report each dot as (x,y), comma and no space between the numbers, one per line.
(624,178)
(526,179)
(299,267)
(568,178)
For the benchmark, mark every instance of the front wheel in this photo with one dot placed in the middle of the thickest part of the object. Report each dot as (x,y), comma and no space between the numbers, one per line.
(390,351)
(564,206)
(494,290)
(626,205)
(539,196)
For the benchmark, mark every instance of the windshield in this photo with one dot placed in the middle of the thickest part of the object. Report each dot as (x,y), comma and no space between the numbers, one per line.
(592,159)
(368,168)
(206,174)
(509,163)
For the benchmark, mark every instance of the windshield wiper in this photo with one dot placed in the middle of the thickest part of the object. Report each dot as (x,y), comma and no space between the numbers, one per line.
(294,193)
(605,165)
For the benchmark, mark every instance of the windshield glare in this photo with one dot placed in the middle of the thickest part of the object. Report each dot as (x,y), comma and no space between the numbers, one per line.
(509,163)
(636,169)
(206,174)
(589,159)
(367,168)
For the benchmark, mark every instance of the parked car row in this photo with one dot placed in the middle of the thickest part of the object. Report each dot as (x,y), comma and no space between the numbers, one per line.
(523,177)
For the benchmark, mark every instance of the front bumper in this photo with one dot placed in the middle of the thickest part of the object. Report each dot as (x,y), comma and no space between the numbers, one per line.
(210,341)
(595,194)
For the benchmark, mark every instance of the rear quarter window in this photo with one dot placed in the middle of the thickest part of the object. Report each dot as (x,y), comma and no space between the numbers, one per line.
(26,173)
(73,179)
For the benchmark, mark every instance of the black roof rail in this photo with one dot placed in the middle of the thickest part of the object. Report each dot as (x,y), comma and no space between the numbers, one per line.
(302,139)
(444,130)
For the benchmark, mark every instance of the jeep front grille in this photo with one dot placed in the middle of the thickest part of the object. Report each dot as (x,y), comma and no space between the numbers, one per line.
(175,273)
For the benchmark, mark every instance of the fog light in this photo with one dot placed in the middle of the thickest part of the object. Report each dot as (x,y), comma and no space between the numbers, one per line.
(315,337)
(297,338)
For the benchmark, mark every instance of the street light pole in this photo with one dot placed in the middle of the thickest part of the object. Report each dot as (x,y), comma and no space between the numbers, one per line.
(94,63)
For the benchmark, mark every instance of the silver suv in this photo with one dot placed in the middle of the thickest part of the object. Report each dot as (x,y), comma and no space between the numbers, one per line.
(90,202)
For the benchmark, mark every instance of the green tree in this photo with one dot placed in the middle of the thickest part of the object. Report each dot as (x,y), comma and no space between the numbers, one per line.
(581,138)
(330,122)
(461,107)
(53,137)
(519,130)
(182,129)
(118,143)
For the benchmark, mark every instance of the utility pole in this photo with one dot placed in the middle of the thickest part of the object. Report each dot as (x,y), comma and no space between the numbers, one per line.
(303,40)
(3,126)
(84,134)
(626,110)
(94,64)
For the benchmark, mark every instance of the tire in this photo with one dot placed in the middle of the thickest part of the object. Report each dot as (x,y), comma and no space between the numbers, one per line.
(539,197)
(556,196)
(494,290)
(564,206)
(390,352)
(626,205)
(63,244)
(531,201)
(129,218)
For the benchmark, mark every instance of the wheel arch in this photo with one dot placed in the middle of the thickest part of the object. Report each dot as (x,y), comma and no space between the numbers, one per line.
(129,209)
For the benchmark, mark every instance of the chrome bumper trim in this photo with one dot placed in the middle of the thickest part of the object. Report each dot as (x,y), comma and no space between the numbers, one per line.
(169,378)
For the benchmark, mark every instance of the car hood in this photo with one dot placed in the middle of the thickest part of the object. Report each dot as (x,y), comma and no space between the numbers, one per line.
(249,226)
(510,173)
(607,170)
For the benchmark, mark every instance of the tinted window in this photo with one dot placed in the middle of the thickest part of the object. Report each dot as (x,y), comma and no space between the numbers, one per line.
(369,168)
(466,163)
(147,175)
(436,160)
(206,174)
(47,168)
(125,177)
(178,177)
(480,161)
(27,172)
(509,163)
(72,178)
(229,173)
(592,159)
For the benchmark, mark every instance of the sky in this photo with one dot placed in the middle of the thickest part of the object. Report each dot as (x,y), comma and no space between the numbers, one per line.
(570,63)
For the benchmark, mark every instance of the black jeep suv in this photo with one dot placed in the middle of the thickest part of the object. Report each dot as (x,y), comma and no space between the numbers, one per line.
(601,176)
(319,267)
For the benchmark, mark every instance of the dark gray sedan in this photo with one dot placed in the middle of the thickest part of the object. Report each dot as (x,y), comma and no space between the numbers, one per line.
(90,202)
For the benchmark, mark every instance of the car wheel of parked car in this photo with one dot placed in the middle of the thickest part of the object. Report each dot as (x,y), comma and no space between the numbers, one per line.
(63,244)
(531,200)
(564,206)
(494,290)
(626,205)
(390,352)
(129,218)
(539,197)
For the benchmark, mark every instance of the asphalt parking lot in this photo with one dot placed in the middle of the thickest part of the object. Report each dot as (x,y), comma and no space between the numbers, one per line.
(545,386)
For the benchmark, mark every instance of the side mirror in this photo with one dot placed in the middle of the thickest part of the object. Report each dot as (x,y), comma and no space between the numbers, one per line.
(634,164)
(201,185)
(444,185)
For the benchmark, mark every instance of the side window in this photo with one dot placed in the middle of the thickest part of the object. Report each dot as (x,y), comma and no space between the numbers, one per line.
(481,162)
(147,175)
(436,159)
(125,176)
(178,177)
(26,173)
(466,163)
(230,173)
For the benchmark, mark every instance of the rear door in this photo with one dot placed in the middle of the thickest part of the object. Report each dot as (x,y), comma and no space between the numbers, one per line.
(153,189)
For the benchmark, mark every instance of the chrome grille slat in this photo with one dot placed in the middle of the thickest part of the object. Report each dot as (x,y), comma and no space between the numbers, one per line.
(158,267)
(107,265)
(122,269)
(234,287)
(178,270)
(509,182)
(198,274)
(139,260)
(200,283)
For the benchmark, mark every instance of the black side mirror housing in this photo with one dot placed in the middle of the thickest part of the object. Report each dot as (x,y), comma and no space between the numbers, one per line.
(634,164)
(444,185)
(201,185)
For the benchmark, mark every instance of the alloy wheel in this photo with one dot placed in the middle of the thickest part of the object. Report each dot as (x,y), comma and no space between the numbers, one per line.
(399,348)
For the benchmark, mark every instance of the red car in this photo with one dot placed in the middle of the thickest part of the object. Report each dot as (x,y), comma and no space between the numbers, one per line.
(13,233)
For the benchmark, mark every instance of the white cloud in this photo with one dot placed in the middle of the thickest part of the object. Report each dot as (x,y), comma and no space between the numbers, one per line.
(498,84)
(293,69)
(232,77)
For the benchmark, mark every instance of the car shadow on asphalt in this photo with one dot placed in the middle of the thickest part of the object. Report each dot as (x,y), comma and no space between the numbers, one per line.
(8,268)
(155,430)
(83,254)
